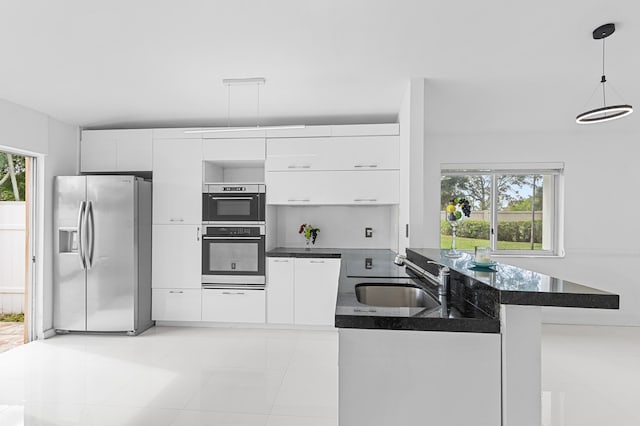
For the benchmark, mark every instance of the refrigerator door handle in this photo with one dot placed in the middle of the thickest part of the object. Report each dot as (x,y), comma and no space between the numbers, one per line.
(90,232)
(81,213)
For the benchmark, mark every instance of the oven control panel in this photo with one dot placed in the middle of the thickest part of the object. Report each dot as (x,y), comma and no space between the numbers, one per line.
(234,231)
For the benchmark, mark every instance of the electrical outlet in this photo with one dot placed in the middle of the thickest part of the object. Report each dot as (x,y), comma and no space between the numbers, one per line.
(368,232)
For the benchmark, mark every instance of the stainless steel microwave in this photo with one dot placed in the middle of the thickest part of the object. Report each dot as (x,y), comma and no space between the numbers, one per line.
(233,203)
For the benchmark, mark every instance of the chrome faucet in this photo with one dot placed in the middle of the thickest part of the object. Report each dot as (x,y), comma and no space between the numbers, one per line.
(441,280)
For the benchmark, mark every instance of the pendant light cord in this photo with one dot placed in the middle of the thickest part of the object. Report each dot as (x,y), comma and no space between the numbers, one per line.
(603,80)
(258,107)
(228,105)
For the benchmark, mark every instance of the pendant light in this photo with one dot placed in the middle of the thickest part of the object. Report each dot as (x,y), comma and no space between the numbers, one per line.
(606,113)
(258,81)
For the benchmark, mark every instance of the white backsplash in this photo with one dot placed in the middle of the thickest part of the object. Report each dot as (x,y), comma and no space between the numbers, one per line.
(340,226)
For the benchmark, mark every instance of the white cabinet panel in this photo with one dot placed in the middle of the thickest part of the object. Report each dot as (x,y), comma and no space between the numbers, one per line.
(280,290)
(338,187)
(116,150)
(337,153)
(365,129)
(244,149)
(135,150)
(316,287)
(377,367)
(233,305)
(177,256)
(176,305)
(306,132)
(98,152)
(177,181)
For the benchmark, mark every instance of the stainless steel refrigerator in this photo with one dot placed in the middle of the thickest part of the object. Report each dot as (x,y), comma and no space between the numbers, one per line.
(102,254)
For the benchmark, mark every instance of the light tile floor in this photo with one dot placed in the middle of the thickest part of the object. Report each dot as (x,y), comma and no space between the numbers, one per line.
(11,335)
(204,376)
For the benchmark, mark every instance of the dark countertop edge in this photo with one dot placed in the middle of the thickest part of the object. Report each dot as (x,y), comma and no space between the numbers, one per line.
(305,254)
(560,300)
(456,325)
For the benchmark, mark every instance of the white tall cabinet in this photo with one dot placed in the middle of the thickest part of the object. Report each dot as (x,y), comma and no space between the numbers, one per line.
(177,217)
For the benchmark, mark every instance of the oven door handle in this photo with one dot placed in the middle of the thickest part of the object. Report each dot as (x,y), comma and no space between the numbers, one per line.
(231,198)
(232,238)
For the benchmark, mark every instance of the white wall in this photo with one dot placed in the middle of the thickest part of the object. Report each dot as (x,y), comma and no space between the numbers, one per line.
(340,226)
(412,130)
(63,159)
(55,146)
(601,199)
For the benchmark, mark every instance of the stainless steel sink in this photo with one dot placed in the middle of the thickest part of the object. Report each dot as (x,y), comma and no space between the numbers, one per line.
(394,296)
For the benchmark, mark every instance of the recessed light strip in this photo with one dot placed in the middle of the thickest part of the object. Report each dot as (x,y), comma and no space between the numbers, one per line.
(245,129)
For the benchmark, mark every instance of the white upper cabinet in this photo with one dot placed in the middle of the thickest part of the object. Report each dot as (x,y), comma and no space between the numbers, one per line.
(177,181)
(116,150)
(241,149)
(333,187)
(335,153)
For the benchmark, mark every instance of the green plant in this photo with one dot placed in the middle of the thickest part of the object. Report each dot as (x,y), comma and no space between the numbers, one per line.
(12,317)
(310,233)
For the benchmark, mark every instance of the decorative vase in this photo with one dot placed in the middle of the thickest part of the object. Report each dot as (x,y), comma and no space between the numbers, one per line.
(453,222)
(308,245)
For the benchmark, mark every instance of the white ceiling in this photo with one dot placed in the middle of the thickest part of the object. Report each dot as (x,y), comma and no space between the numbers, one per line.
(117,63)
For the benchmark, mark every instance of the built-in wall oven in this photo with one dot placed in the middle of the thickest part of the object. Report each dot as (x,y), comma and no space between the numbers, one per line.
(233,203)
(233,256)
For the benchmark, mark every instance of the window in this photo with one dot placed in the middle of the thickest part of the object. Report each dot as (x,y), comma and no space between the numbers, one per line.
(514,210)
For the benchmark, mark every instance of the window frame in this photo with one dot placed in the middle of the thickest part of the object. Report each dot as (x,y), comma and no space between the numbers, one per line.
(555,170)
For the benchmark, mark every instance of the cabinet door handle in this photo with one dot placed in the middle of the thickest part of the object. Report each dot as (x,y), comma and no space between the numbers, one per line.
(281,261)
(365,200)
(176,292)
(232,293)
(176,219)
(302,200)
(365,166)
(295,166)
(316,261)
(198,233)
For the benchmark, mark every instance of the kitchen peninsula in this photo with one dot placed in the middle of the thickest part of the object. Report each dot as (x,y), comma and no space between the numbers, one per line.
(472,357)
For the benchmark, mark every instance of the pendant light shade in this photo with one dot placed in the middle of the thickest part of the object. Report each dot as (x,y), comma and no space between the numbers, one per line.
(604,113)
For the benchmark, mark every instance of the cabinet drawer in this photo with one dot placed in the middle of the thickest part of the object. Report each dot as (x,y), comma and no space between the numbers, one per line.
(176,305)
(233,305)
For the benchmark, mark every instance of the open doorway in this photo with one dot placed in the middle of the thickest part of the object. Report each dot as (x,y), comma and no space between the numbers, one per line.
(16,177)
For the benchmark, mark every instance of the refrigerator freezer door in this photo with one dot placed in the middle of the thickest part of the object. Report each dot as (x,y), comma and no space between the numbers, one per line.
(68,273)
(111,255)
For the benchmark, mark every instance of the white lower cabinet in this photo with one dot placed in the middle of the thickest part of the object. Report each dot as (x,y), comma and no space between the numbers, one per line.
(233,305)
(316,290)
(280,287)
(176,304)
(302,291)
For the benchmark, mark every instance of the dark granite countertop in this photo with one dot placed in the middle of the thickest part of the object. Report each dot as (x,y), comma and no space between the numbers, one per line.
(324,253)
(510,285)
(473,304)
(375,266)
